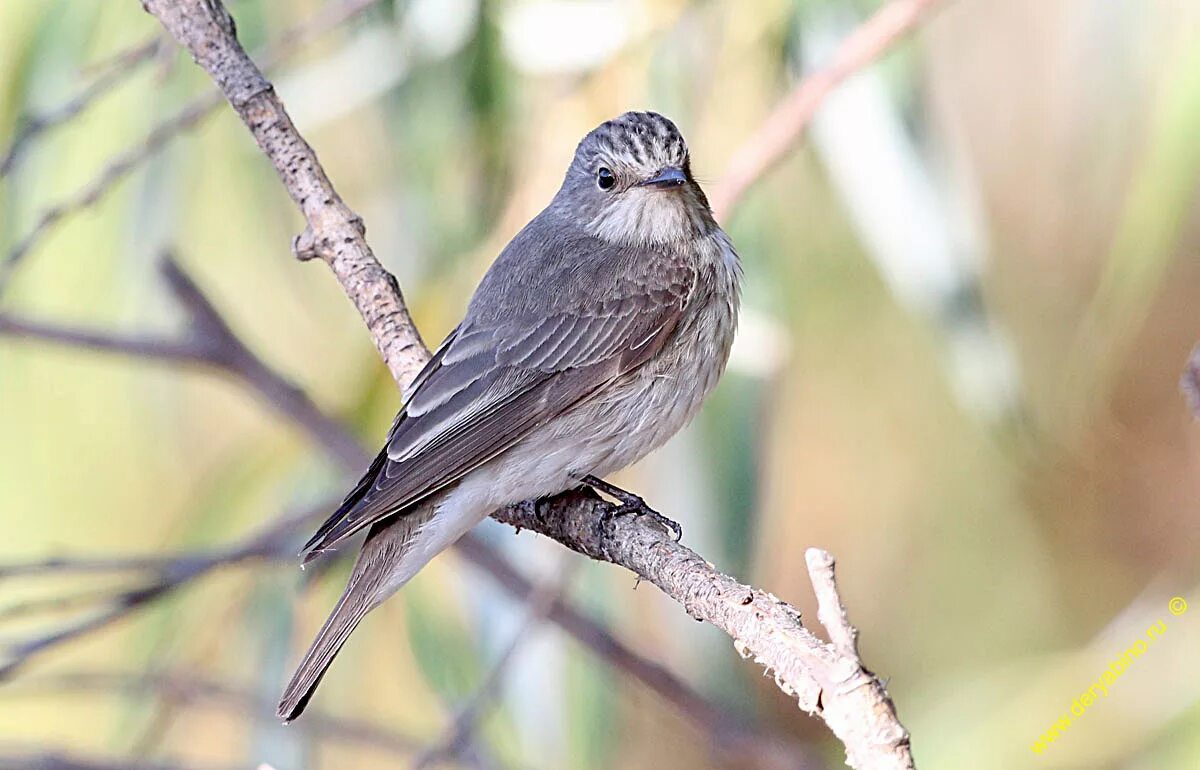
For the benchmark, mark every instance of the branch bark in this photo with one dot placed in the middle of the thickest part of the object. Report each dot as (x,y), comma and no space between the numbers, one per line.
(825,680)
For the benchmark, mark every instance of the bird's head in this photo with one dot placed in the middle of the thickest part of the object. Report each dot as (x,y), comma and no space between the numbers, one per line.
(631,183)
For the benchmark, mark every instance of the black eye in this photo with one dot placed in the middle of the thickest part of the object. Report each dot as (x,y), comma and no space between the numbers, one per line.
(605,179)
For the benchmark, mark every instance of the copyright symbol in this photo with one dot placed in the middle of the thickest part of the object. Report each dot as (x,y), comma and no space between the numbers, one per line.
(1177,606)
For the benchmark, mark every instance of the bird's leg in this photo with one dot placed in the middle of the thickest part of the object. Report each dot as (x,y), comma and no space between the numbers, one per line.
(631,504)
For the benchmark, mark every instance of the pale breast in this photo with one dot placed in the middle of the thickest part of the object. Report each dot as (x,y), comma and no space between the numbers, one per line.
(633,415)
(638,413)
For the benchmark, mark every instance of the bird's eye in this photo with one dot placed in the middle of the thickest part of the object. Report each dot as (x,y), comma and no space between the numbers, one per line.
(605,179)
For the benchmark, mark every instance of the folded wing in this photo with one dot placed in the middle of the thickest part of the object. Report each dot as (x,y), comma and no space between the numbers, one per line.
(508,369)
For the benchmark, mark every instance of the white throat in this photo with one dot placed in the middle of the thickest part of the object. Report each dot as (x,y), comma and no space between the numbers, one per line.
(644,216)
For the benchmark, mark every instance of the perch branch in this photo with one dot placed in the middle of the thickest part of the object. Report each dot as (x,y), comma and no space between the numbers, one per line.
(778,134)
(851,701)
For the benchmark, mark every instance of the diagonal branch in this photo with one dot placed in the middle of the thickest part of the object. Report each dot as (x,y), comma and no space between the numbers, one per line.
(778,134)
(166,575)
(331,15)
(851,701)
(208,342)
(120,68)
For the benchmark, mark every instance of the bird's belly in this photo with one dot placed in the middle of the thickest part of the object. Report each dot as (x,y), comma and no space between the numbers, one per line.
(628,418)
(618,427)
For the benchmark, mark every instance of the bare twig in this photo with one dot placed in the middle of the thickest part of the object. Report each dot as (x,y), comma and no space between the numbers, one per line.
(334,232)
(274,541)
(123,65)
(114,172)
(189,689)
(830,611)
(851,700)
(1189,383)
(208,342)
(777,135)
(331,15)
(88,597)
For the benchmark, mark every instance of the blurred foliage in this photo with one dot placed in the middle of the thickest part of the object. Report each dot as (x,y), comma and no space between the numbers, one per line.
(995,559)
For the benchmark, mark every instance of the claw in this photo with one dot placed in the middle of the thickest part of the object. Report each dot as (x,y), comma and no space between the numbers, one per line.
(631,504)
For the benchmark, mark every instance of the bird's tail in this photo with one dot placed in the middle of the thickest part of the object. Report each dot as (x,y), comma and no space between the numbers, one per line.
(342,621)
(382,567)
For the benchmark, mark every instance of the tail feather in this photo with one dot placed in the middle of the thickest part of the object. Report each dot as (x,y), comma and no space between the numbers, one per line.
(350,610)
(387,561)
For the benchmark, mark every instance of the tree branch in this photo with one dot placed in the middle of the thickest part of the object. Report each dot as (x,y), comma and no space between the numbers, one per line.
(331,15)
(166,574)
(778,134)
(851,700)
(207,342)
(123,65)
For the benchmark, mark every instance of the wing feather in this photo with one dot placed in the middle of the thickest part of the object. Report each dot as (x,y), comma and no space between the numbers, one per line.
(506,370)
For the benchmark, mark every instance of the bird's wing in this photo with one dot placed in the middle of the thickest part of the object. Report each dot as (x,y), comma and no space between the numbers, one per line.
(508,369)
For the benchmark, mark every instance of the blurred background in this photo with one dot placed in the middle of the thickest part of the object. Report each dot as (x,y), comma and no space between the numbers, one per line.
(970,293)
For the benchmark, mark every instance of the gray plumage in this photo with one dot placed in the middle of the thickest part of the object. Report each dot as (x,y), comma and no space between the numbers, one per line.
(592,339)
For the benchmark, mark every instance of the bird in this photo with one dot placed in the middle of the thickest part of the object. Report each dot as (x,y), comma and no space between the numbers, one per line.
(594,337)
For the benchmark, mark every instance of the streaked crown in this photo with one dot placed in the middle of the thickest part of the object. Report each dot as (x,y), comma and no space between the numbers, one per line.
(643,142)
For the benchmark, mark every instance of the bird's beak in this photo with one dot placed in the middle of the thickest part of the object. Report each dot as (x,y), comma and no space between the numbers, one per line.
(667,177)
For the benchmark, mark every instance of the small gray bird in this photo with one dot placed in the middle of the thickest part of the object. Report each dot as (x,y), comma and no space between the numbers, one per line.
(592,339)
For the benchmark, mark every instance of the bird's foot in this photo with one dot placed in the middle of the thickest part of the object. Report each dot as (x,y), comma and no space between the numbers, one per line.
(631,505)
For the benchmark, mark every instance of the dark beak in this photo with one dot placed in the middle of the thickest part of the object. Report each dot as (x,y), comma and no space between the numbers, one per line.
(667,177)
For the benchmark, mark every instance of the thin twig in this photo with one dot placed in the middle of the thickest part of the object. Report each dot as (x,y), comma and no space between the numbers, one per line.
(188,689)
(208,342)
(830,611)
(331,15)
(777,135)
(114,172)
(275,541)
(111,75)
(88,597)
